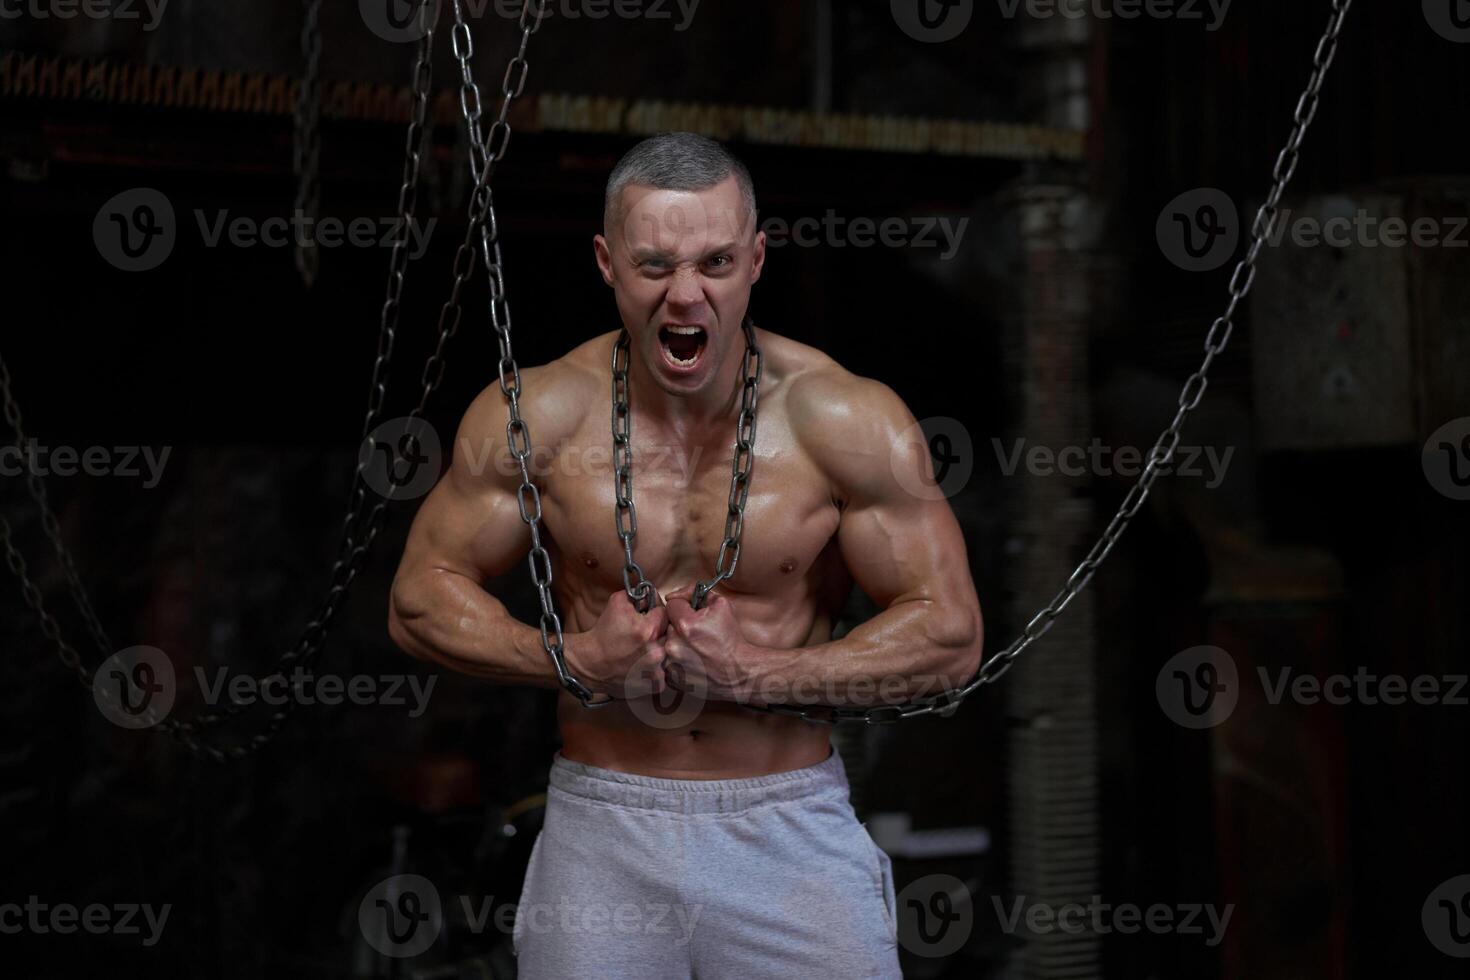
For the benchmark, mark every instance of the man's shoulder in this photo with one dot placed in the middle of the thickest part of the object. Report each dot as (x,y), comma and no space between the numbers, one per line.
(827,399)
(554,397)
(844,421)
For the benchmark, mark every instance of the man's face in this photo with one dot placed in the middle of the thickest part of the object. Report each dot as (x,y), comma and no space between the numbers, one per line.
(681,264)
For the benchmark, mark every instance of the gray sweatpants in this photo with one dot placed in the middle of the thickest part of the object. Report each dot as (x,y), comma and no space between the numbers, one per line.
(670,879)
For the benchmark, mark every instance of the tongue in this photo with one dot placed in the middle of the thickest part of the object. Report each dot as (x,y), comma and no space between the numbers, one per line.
(683,345)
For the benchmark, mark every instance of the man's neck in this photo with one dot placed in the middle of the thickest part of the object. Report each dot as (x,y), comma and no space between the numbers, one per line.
(693,416)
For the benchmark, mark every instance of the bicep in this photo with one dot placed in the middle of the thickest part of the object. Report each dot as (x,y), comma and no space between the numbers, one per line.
(900,547)
(898,535)
(470,523)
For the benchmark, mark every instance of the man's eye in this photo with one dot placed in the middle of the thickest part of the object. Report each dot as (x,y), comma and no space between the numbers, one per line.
(720,261)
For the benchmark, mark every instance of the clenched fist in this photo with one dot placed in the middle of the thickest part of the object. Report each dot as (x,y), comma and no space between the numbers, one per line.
(622,655)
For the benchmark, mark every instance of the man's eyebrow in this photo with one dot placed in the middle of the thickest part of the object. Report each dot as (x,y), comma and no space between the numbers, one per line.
(646,254)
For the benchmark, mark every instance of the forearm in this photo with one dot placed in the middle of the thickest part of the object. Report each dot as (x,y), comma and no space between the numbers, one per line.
(447,618)
(912,650)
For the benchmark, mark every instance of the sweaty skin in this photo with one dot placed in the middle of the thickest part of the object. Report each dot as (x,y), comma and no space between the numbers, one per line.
(838,497)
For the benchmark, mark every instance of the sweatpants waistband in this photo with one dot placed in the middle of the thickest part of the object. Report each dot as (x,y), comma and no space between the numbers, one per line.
(693,796)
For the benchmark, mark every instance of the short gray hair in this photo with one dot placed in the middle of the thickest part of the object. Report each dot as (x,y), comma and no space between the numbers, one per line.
(675,162)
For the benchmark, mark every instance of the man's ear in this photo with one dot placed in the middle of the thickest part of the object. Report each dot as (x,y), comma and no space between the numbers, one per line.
(758,257)
(603,252)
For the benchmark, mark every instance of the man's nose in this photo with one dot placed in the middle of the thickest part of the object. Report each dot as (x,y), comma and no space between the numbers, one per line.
(687,289)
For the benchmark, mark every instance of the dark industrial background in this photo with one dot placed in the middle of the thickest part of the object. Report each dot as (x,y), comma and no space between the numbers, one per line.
(1326,549)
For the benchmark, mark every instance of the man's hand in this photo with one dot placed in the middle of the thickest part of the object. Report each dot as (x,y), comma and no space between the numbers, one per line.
(707,653)
(622,655)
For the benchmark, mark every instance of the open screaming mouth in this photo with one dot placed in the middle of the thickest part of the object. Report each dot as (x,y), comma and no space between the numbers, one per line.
(682,345)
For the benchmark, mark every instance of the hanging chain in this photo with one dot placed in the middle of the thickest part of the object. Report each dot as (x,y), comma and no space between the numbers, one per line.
(1162,452)
(307,148)
(359,533)
(486,151)
(357,541)
(36,487)
(743,459)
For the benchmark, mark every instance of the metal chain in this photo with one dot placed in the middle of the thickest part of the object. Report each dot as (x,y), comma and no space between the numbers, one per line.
(52,528)
(486,151)
(1162,452)
(32,595)
(359,533)
(308,140)
(481,217)
(743,459)
(356,542)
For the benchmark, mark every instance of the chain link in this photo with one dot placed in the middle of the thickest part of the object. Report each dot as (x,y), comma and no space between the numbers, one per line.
(742,460)
(307,149)
(1162,452)
(486,151)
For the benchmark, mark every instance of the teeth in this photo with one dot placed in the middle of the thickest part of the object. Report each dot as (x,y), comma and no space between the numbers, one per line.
(686,331)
